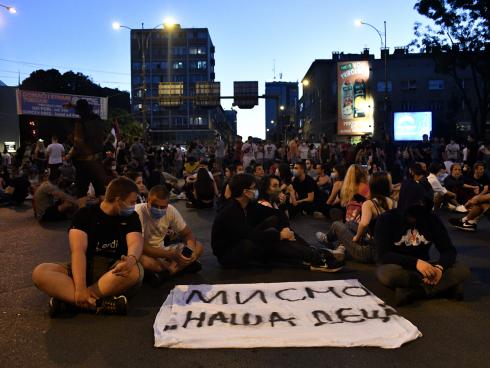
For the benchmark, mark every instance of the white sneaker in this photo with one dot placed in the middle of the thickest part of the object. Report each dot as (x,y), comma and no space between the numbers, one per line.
(461,209)
(321,237)
(182,196)
(451,207)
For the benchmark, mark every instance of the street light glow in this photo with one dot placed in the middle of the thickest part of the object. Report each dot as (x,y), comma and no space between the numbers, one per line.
(281,107)
(11,9)
(358,22)
(305,82)
(169,22)
(116,25)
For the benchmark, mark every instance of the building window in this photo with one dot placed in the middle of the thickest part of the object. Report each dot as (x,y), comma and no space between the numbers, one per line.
(435,84)
(202,35)
(197,120)
(197,50)
(408,85)
(178,65)
(380,86)
(137,66)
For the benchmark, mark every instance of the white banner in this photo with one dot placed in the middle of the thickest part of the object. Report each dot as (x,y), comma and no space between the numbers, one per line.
(321,313)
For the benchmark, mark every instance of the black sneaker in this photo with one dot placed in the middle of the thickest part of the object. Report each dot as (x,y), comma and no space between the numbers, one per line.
(113,305)
(463,225)
(328,264)
(56,307)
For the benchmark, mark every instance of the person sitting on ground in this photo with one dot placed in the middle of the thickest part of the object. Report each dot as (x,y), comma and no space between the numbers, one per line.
(16,190)
(354,191)
(441,194)
(305,189)
(191,166)
(156,217)
(311,169)
(356,238)
(201,189)
(258,171)
(106,245)
(225,192)
(478,206)
(455,183)
(51,202)
(403,238)
(137,177)
(323,181)
(479,180)
(236,243)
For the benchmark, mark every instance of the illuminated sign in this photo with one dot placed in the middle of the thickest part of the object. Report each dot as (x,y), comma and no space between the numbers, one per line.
(355,105)
(54,104)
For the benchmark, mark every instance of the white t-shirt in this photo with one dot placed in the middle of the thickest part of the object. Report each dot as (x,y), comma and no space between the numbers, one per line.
(55,152)
(436,184)
(154,230)
(303,152)
(249,150)
(270,151)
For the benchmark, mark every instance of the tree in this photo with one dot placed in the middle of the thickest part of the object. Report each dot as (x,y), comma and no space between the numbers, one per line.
(74,83)
(459,39)
(128,126)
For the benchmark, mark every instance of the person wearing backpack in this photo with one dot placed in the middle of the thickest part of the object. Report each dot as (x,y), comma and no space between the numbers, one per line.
(87,151)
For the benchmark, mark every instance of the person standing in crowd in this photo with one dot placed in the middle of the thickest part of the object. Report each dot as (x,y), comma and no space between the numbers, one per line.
(403,238)
(219,153)
(87,151)
(55,152)
(238,244)
(238,149)
(453,151)
(157,217)
(137,151)
(249,150)
(106,244)
(472,146)
(6,158)
(178,161)
(303,150)
(293,154)
(269,154)
(39,157)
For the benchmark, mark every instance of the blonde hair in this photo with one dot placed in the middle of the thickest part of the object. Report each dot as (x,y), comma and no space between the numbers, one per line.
(353,177)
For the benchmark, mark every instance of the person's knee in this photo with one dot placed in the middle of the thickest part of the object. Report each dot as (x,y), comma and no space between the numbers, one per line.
(388,274)
(40,272)
(199,249)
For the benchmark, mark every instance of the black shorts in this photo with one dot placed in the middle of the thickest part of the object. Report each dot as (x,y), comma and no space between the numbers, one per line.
(53,214)
(98,266)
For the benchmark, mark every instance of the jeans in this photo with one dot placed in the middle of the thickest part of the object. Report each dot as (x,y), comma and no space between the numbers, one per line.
(90,171)
(395,276)
(344,232)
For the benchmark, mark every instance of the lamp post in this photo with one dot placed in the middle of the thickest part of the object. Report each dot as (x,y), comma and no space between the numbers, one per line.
(307,84)
(143,46)
(9,8)
(383,47)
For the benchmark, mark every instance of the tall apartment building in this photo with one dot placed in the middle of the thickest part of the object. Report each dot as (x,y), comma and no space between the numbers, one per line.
(281,113)
(173,54)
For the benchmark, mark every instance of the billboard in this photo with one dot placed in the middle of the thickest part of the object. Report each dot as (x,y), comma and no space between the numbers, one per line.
(355,103)
(411,126)
(52,104)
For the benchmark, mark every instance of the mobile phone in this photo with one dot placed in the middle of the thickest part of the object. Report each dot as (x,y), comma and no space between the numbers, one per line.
(187,252)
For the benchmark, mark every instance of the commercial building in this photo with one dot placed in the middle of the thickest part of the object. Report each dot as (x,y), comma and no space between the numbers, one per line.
(281,113)
(413,84)
(173,54)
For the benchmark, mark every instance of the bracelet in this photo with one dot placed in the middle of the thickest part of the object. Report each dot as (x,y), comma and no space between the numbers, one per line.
(439,267)
(135,259)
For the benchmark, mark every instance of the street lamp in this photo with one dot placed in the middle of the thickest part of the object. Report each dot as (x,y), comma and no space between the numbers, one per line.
(359,23)
(9,8)
(307,84)
(143,46)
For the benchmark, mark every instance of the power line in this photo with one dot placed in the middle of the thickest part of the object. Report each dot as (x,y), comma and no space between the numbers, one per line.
(62,67)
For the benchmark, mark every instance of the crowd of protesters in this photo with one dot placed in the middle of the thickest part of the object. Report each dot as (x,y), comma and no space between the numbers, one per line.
(379,202)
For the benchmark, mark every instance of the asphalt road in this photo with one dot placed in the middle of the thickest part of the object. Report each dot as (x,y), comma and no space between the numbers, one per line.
(455,334)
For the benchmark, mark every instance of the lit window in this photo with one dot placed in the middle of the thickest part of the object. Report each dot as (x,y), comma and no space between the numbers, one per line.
(435,84)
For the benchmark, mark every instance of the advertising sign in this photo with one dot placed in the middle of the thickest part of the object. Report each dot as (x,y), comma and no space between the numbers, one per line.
(356,105)
(411,126)
(52,104)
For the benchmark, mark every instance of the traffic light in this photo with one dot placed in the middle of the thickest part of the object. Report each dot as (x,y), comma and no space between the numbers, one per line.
(246,94)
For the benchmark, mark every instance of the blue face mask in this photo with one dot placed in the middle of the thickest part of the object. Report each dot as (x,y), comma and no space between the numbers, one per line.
(157,213)
(127,211)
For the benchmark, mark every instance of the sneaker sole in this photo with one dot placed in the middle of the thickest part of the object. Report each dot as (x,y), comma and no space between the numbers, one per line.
(322,269)
(464,228)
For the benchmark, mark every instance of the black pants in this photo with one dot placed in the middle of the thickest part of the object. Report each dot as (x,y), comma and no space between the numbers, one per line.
(395,276)
(246,251)
(89,172)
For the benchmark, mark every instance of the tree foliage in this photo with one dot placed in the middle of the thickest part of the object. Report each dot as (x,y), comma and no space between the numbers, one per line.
(459,39)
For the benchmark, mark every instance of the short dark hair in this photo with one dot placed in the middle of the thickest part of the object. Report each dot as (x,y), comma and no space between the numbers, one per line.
(159,192)
(417,169)
(120,187)
(264,185)
(478,164)
(133,175)
(302,164)
(239,183)
(435,167)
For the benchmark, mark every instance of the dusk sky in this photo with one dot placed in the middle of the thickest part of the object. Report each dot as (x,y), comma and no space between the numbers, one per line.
(248,35)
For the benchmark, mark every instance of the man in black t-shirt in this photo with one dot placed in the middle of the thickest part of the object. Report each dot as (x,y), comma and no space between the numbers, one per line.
(479,179)
(306,190)
(106,244)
